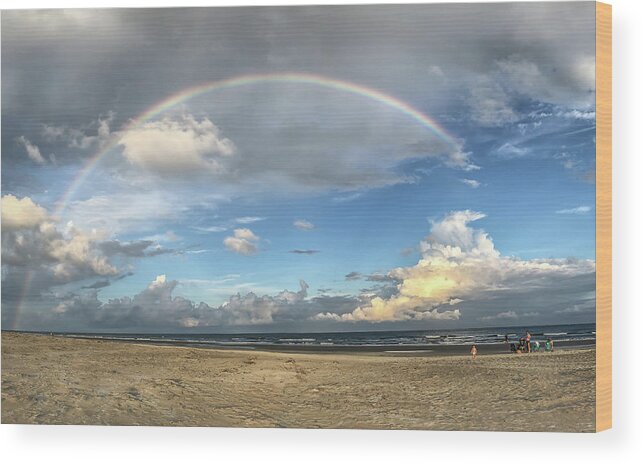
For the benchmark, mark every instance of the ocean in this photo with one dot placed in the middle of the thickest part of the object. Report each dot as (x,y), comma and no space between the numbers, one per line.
(562,335)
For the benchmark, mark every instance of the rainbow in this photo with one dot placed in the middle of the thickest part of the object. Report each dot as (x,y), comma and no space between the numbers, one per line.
(252,79)
(233,82)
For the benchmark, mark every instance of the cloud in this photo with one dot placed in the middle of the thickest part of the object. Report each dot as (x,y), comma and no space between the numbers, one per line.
(33,152)
(461,264)
(76,254)
(577,210)
(496,97)
(106,282)
(214,229)
(156,306)
(572,84)
(578,309)
(228,224)
(168,236)
(380,310)
(490,105)
(98,284)
(509,316)
(127,274)
(135,249)
(251,309)
(153,307)
(127,210)
(242,242)
(175,147)
(576,114)
(245,234)
(280,142)
(302,224)
(376,277)
(248,219)
(21,213)
(96,134)
(471,183)
(510,151)
(436,71)
(31,239)
(304,252)
(502,315)
(453,156)
(197,252)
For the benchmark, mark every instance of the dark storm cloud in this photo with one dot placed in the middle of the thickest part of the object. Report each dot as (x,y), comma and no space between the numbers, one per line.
(156,307)
(106,282)
(125,60)
(376,277)
(353,276)
(567,300)
(98,284)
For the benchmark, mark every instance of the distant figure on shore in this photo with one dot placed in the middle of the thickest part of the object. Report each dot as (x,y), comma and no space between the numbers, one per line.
(528,341)
(474,352)
(549,345)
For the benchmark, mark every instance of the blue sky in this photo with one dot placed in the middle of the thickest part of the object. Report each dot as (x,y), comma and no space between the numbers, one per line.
(292,206)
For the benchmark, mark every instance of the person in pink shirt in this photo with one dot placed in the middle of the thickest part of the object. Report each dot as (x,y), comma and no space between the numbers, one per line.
(528,341)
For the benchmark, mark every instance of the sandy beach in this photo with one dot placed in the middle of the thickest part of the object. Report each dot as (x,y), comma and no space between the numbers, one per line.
(56,380)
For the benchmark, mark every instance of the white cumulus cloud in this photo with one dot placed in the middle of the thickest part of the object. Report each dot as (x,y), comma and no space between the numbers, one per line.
(172,147)
(21,213)
(243,242)
(302,224)
(471,183)
(30,237)
(459,263)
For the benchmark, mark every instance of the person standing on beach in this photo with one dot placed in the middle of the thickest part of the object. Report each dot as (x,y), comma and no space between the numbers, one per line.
(528,341)
(474,352)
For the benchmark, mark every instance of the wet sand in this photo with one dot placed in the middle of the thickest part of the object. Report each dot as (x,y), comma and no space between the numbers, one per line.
(56,380)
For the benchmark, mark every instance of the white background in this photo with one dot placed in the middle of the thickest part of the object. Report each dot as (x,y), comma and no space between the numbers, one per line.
(115,445)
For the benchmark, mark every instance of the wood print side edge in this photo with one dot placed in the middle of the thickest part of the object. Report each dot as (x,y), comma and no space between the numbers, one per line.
(603,216)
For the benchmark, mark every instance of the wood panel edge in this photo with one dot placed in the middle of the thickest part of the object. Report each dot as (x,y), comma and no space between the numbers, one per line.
(603,216)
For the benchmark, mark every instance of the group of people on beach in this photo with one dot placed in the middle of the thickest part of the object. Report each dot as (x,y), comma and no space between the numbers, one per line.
(524,345)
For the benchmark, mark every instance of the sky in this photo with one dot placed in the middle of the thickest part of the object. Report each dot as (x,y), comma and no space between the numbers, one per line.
(298,168)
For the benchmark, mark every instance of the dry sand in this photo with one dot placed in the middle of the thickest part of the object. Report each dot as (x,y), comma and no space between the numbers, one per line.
(54,380)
